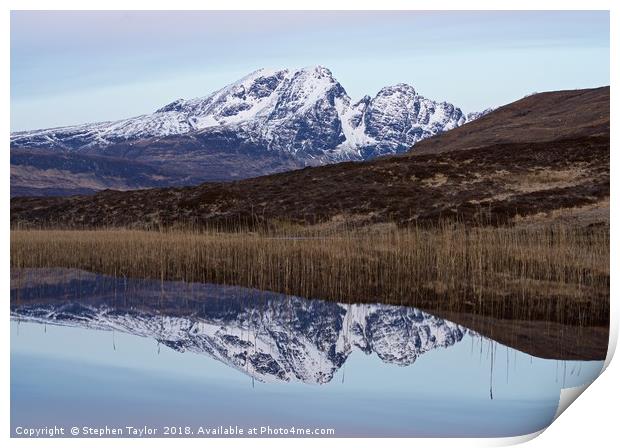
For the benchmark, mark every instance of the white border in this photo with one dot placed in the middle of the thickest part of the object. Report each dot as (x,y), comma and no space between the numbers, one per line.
(590,422)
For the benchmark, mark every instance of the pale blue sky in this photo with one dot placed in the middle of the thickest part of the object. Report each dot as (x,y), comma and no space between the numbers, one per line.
(75,67)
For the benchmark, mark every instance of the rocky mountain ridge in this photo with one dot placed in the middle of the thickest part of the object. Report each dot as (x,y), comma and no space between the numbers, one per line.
(269,121)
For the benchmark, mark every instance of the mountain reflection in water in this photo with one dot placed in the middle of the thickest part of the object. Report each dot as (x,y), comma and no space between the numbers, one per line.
(90,349)
(271,337)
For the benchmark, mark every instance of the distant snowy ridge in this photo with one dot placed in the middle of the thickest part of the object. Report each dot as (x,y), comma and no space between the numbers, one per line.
(305,113)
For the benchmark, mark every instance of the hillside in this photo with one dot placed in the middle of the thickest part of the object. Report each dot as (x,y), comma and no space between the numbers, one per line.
(267,122)
(549,116)
(147,164)
(544,156)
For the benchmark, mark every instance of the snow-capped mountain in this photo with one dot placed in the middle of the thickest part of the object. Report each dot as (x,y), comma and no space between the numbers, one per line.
(305,113)
(271,337)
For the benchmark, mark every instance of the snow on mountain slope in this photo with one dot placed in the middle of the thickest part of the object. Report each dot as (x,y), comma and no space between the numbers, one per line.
(303,112)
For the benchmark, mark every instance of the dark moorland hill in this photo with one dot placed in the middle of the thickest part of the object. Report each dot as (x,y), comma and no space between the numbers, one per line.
(149,163)
(43,172)
(550,116)
(544,156)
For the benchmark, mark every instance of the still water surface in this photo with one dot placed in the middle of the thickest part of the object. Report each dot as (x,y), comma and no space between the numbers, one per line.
(95,350)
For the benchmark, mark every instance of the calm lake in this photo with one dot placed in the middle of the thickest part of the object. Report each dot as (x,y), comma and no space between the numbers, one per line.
(96,350)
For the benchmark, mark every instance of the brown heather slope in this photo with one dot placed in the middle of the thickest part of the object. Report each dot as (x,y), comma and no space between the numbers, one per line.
(550,116)
(541,155)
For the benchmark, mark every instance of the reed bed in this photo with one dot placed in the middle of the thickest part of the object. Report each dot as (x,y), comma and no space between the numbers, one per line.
(554,273)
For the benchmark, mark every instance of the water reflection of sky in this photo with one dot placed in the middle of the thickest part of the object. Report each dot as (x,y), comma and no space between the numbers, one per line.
(74,376)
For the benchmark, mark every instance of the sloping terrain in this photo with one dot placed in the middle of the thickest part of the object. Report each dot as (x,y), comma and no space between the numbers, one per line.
(267,122)
(304,112)
(39,172)
(145,165)
(549,116)
(548,152)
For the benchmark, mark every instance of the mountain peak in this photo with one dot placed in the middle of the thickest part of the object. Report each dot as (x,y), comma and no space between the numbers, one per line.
(398,89)
(302,112)
(262,73)
(316,70)
(176,105)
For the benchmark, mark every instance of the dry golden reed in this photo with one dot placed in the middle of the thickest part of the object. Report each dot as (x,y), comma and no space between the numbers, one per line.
(555,273)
